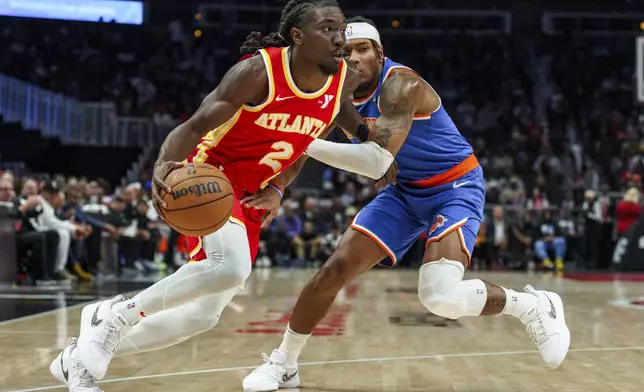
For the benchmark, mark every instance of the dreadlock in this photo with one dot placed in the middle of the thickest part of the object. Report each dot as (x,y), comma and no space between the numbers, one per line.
(294,14)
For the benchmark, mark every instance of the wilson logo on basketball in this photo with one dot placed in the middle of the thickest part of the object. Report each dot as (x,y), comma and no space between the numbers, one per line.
(198,190)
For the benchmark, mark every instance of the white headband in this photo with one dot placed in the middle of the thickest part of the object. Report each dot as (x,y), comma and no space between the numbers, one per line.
(361,30)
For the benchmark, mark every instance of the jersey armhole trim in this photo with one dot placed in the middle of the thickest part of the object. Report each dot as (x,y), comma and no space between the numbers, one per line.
(424,116)
(338,99)
(271,84)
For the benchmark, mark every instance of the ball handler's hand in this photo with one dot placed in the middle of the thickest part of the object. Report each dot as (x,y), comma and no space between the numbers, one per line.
(267,199)
(389,177)
(161,171)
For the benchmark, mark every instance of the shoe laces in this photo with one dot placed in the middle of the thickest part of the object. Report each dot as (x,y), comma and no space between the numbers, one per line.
(537,330)
(81,376)
(110,337)
(270,367)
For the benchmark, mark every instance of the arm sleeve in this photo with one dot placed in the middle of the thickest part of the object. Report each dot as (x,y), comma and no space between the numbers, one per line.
(367,159)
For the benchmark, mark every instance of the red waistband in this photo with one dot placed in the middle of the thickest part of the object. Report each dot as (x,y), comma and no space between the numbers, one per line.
(467,165)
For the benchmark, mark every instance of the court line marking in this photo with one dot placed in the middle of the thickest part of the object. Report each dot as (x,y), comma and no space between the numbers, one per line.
(341,361)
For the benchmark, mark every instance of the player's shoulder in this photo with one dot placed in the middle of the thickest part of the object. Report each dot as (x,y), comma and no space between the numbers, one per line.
(251,69)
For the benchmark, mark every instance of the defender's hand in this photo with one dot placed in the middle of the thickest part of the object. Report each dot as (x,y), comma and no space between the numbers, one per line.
(389,177)
(161,171)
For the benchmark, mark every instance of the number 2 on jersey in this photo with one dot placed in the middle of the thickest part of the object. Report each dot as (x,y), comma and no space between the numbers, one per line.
(283,151)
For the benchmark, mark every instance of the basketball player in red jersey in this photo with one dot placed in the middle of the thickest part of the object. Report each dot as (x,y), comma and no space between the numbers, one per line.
(266,111)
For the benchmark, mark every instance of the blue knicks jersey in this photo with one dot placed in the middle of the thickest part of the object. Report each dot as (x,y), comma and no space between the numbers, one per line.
(434,147)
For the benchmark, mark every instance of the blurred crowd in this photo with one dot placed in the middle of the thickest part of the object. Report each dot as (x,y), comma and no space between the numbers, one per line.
(563,168)
(73,229)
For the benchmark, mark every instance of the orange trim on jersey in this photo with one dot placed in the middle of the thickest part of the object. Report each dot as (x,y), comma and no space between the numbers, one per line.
(271,84)
(214,137)
(338,99)
(361,101)
(196,249)
(375,239)
(467,165)
(416,116)
(454,228)
(291,83)
(237,221)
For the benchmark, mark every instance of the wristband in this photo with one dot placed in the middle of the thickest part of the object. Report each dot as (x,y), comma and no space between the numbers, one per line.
(363,133)
(276,188)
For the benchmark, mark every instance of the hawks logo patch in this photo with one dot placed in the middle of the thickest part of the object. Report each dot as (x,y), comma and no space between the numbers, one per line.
(438,222)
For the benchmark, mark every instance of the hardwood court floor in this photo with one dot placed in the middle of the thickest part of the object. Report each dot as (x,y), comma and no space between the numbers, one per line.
(377,338)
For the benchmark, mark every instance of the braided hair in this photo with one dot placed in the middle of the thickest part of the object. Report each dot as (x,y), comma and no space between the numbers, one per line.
(293,15)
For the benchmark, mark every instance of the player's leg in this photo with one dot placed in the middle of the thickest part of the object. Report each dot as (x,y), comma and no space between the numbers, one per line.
(442,290)
(173,326)
(384,229)
(103,324)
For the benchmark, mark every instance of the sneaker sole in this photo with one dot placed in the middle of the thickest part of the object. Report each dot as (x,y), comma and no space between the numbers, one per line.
(257,387)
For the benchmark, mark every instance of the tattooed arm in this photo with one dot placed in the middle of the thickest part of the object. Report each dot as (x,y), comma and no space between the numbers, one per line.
(401,96)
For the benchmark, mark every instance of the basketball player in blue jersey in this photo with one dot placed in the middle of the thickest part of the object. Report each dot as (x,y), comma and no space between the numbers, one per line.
(439,191)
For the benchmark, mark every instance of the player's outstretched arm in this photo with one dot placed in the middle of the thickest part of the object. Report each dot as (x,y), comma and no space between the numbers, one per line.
(246,82)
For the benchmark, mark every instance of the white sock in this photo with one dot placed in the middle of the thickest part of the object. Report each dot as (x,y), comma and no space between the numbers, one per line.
(131,309)
(519,305)
(292,345)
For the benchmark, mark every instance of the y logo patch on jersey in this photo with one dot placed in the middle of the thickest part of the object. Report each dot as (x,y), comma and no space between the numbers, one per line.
(438,222)
(328,98)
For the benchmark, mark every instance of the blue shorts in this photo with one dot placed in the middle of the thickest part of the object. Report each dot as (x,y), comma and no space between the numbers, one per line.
(399,215)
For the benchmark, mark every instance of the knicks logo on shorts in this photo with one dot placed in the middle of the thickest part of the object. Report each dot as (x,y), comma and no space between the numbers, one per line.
(438,222)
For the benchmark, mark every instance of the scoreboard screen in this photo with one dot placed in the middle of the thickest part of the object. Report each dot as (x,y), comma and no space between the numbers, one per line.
(125,12)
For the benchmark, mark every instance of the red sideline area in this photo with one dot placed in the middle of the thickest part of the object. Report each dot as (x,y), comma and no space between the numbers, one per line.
(606,277)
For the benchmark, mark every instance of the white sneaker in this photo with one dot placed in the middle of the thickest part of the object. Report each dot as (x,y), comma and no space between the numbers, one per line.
(272,375)
(71,372)
(101,333)
(548,327)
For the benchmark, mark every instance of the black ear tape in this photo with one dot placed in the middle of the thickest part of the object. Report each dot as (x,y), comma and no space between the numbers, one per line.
(363,133)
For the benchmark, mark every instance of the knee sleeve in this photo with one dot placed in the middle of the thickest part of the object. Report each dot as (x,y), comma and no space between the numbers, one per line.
(442,291)
(228,254)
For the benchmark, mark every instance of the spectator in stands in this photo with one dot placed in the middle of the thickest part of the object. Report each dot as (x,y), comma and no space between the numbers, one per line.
(51,199)
(548,238)
(329,242)
(42,251)
(73,211)
(570,232)
(520,239)
(307,244)
(497,231)
(594,214)
(279,244)
(537,201)
(289,221)
(627,212)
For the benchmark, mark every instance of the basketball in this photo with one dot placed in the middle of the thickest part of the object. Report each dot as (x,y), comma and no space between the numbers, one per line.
(201,200)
